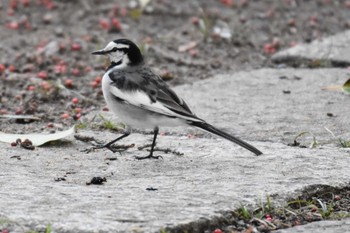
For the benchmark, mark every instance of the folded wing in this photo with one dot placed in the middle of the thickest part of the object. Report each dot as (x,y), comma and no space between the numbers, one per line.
(148,91)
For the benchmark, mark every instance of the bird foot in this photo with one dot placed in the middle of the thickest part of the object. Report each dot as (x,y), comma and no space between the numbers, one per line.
(111,147)
(99,146)
(149,157)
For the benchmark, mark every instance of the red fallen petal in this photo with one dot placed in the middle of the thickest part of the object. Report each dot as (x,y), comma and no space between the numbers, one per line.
(68,83)
(49,4)
(31,88)
(195,20)
(13,4)
(227,2)
(18,111)
(50,125)
(25,2)
(75,100)
(75,72)
(42,75)
(76,47)
(269,48)
(217,231)
(65,115)
(93,84)
(116,24)
(12,68)
(45,85)
(87,69)
(273,50)
(13,25)
(13,144)
(60,68)
(2,68)
(77,110)
(3,111)
(98,79)
(104,24)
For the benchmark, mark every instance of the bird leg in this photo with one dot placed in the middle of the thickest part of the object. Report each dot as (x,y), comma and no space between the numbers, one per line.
(151,156)
(109,144)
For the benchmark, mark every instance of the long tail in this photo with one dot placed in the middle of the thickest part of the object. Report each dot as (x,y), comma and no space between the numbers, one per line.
(207,127)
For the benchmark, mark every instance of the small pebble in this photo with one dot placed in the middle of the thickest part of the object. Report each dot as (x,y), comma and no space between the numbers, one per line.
(97,180)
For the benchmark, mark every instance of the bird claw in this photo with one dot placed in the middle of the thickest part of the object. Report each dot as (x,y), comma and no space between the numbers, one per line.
(149,157)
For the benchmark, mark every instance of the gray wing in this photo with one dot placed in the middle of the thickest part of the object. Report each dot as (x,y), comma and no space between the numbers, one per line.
(157,90)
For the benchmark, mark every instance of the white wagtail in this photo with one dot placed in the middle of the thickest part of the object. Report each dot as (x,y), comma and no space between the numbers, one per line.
(143,100)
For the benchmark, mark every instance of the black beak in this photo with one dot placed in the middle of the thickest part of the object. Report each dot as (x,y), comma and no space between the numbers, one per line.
(99,52)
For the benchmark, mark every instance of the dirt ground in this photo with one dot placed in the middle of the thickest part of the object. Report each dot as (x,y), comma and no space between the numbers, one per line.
(47,71)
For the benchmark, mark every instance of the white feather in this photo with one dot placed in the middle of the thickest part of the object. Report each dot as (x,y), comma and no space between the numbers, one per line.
(142,100)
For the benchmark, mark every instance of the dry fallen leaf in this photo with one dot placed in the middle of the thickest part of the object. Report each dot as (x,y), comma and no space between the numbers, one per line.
(346,87)
(36,139)
(186,47)
(20,117)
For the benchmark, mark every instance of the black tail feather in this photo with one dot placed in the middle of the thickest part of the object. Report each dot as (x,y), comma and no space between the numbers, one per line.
(207,127)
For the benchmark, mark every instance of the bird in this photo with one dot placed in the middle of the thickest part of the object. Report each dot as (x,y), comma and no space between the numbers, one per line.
(143,100)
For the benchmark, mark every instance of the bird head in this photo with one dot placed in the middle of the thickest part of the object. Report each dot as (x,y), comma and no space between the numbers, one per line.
(122,53)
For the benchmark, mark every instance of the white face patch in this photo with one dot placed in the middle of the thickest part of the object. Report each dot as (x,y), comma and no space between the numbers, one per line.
(112,45)
(116,56)
(121,46)
(119,55)
(120,58)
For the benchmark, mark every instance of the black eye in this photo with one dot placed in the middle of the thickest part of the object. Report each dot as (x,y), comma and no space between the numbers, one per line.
(114,49)
(125,50)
